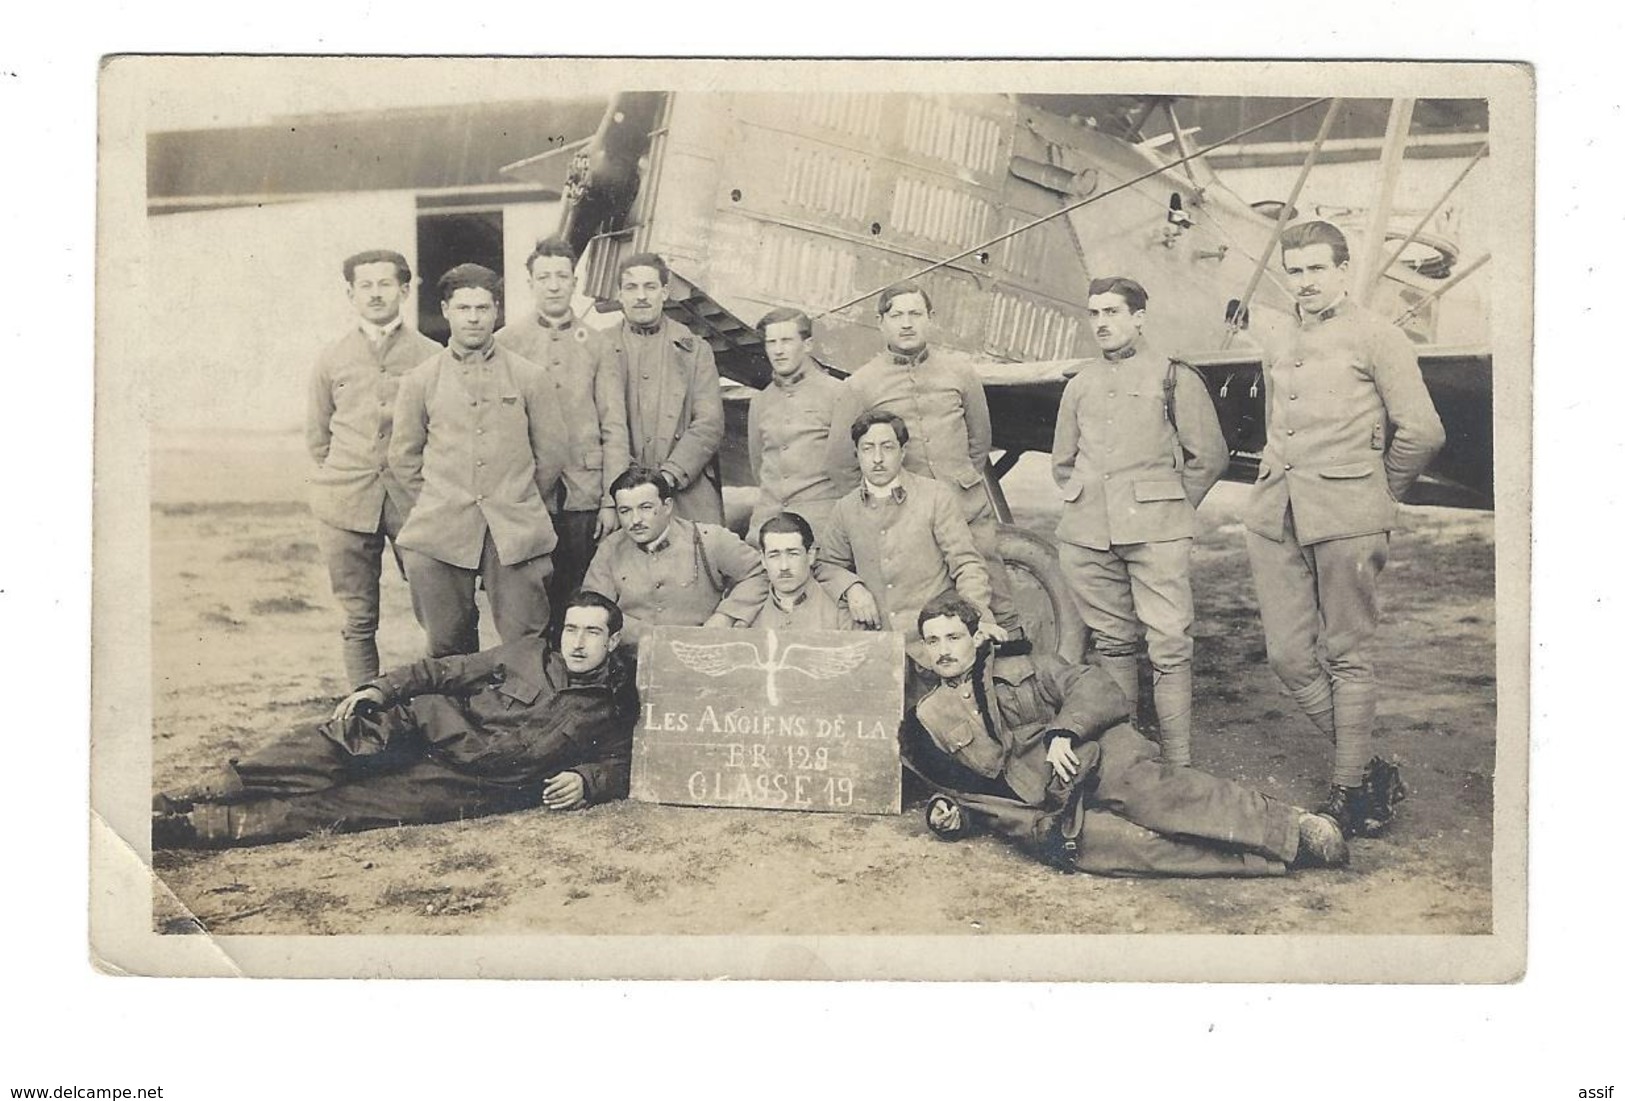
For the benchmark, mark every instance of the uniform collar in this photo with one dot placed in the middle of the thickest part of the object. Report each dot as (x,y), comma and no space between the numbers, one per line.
(645,330)
(897,491)
(1123,353)
(484,352)
(379,333)
(543,321)
(908,359)
(807,368)
(1341,306)
(663,542)
(801,597)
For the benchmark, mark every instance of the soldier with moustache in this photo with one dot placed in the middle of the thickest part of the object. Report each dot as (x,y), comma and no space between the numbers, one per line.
(592,384)
(797,601)
(1042,752)
(1137,447)
(906,538)
(1350,428)
(673,396)
(351,410)
(939,396)
(662,568)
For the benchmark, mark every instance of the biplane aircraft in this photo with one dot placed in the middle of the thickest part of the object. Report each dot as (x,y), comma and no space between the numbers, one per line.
(1003,209)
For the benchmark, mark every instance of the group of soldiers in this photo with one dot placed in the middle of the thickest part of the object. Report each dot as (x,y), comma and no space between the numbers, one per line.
(573,473)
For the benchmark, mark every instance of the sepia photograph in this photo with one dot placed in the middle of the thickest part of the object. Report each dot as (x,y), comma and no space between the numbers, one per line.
(813,519)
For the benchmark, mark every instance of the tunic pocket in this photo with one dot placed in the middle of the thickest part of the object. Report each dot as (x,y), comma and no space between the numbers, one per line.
(1351,470)
(1159,491)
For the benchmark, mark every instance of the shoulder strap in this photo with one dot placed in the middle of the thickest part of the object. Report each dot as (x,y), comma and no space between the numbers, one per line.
(704,561)
(1170,385)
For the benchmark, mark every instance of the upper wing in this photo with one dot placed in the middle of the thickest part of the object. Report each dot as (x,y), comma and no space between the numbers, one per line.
(717,658)
(824,662)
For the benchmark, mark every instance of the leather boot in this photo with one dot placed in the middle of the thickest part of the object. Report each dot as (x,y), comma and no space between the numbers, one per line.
(1171,691)
(1124,670)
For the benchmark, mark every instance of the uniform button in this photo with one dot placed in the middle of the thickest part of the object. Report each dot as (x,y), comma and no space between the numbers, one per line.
(1298,364)
(1291,431)
(1105,477)
(1111,393)
(479,462)
(479,431)
(1292,397)
(1288,466)
(481,497)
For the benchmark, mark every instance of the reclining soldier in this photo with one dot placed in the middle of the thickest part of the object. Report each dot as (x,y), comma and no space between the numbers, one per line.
(1042,752)
(511,728)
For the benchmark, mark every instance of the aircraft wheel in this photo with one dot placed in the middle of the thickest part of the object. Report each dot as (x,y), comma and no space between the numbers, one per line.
(1041,595)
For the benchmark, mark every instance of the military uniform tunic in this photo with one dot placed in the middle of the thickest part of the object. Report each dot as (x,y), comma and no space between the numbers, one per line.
(789,434)
(674,411)
(357,498)
(813,609)
(940,398)
(1351,427)
(592,385)
(985,743)
(1130,485)
(480,442)
(456,738)
(908,544)
(680,580)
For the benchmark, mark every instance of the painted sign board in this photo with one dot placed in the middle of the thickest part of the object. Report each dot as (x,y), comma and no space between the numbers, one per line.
(782,720)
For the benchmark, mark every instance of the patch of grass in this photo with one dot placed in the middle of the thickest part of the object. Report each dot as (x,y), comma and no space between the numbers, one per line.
(307,901)
(264,509)
(282,605)
(442,901)
(462,862)
(280,553)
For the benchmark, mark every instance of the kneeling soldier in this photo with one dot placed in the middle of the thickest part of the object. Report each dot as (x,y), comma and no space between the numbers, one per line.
(1042,752)
(448,738)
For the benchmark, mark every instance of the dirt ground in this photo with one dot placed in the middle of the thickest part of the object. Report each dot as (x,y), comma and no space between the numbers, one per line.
(245,644)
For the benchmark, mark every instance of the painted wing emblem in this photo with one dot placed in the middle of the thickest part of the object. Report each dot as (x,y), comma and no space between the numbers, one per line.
(718,658)
(824,662)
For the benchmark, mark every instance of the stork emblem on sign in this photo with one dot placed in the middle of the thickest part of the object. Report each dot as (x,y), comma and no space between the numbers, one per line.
(818,662)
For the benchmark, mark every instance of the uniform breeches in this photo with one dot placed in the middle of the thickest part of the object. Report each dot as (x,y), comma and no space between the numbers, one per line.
(307,781)
(443,596)
(1131,589)
(1185,803)
(571,557)
(354,563)
(1318,604)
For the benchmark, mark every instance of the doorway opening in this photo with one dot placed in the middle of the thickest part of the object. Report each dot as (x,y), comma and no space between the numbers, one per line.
(444,241)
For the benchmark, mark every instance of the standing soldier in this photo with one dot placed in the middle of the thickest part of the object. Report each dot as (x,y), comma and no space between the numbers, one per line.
(1137,447)
(789,426)
(593,388)
(479,444)
(939,397)
(359,503)
(1350,428)
(673,398)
